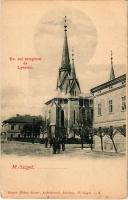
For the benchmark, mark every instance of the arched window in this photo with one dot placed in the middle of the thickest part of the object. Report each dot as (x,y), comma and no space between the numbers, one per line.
(74,116)
(62,118)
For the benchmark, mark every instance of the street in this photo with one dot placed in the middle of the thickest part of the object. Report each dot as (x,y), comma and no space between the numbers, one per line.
(34,170)
(72,150)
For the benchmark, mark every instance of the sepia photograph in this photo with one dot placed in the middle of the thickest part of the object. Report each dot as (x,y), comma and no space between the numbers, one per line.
(63,99)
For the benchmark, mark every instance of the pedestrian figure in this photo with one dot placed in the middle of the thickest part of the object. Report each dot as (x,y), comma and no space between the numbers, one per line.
(46,142)
(54,145)
(63,143)
(58,145)
(82,140)
(51,142)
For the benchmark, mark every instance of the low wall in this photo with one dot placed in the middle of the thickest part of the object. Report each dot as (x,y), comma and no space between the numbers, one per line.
(119,140)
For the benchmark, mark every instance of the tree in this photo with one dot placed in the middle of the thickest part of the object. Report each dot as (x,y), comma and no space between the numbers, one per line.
(122,130)
(27,130)
(109,131)
(99,132)
(33,128)
(91,134)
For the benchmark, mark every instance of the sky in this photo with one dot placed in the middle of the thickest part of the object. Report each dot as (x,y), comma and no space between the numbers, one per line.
(35,30)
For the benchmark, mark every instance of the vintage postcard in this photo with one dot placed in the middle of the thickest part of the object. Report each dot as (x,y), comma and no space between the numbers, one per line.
(63,99)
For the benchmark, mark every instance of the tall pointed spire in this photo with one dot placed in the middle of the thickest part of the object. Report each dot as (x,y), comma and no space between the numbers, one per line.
(73,73)
(65,63)
(67,83)
(112,74)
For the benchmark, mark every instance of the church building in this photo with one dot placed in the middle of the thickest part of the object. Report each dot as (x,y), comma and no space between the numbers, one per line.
(69,110)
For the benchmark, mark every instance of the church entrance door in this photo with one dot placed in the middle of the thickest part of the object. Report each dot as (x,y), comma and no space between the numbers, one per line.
(62,118)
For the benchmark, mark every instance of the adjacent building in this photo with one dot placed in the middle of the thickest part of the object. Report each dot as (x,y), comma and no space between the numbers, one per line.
(109,105)
(21,126)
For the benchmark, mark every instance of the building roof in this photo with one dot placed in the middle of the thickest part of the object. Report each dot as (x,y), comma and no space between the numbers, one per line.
(23,119)
(69,97)
(109,83)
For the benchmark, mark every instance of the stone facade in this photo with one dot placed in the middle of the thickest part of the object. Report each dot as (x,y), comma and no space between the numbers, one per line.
(64,114)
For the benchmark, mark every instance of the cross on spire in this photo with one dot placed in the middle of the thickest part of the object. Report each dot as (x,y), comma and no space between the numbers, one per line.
(111,58)
(65,26)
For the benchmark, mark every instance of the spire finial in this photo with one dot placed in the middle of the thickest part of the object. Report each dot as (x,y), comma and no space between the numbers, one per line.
(65,26)
(72,55)
(111,58)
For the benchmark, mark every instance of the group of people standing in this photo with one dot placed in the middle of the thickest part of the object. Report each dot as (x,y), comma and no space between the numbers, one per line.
(57,143)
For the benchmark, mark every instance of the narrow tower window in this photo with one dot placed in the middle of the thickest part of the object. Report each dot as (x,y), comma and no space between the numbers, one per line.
(74,113)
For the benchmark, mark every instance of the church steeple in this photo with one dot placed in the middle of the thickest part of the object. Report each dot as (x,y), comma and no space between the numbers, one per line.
(67,83)
(65,63)
(112,74)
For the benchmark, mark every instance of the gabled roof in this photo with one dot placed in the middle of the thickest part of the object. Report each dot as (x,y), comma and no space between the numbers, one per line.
(23,119)
(73,73)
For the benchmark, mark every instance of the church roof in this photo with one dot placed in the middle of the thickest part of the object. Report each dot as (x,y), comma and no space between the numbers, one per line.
(73,73)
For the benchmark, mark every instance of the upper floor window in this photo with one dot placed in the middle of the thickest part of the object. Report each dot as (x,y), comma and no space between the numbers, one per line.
(110,106)
(99,109)
(124,103)
(19,127)
(12,127)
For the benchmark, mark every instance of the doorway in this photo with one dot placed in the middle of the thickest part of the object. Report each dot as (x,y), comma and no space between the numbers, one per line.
(62,118)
